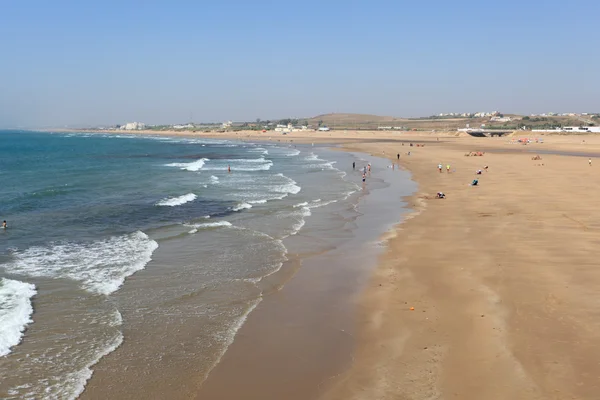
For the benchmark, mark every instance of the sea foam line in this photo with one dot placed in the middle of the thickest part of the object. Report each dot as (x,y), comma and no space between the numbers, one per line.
(100,267)
(15,312)
(192,166)
(207,225)
(177,201)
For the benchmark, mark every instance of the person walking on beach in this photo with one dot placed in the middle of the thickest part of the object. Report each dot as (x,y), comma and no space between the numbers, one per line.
(448,168)
(353,164)
(590,162)
(440,167)
(398,156)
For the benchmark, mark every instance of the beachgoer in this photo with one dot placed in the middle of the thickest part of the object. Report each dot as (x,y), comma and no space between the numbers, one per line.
(475,182)
(4,225)
(478,172)
(353,165)
(229,168)
(448,168)
(486,168)
(408,153)
(364,177)
(398,156)
(590,162)
(440,167)
(369,167)
(441,195)
(365,169)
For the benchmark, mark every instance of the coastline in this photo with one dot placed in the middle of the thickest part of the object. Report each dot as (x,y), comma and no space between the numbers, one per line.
(501,276)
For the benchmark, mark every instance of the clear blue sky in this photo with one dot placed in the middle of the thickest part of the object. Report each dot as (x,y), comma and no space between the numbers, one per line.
(103,62)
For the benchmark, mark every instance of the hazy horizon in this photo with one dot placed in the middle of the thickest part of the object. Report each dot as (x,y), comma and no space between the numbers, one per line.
(72,64)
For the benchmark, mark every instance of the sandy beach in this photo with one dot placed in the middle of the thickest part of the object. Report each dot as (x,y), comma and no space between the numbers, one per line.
(501,276)
(487,294)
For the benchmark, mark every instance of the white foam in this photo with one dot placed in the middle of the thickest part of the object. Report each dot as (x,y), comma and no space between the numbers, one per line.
(192,166)
(244,165)
(293,153)
(290,186)
(232,331)
(241,206)
(207,225)
(177,201)
(261,201)
(73,384)
(214,179)
(312,157)
(100,267)
(15,312)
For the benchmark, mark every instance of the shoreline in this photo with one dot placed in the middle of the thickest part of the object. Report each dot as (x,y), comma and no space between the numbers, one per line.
(501,276)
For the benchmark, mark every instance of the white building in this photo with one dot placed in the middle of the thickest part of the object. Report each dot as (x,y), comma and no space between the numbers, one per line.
(133,126)
(574,129)
(324,129)
(188,126)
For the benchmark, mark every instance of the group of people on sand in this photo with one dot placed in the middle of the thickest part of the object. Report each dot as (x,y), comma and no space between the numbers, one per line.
(441,167)
(475,182)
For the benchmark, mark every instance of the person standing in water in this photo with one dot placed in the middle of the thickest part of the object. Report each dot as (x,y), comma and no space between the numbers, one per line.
(4,224)
(353,165)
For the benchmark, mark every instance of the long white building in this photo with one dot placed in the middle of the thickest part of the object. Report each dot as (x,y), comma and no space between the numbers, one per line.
(574,129)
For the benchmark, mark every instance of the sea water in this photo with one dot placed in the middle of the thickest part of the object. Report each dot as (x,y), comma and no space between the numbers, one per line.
(164,243)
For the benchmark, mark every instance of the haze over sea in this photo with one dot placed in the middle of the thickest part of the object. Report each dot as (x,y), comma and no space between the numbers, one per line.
(110,231)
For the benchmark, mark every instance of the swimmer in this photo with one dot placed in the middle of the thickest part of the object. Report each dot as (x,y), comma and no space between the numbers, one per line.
(4,225)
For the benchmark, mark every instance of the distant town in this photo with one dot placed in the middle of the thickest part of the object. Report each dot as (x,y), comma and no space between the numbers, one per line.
(451,121)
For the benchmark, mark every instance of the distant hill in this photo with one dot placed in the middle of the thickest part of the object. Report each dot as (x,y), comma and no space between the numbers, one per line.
(368,121)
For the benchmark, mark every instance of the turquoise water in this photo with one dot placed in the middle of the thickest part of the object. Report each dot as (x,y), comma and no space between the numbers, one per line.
(114,236)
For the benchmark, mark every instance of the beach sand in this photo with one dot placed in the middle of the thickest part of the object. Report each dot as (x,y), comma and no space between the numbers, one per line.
(503,277)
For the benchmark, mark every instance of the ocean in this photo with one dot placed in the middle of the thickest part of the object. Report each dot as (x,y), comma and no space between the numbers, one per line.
(154,248)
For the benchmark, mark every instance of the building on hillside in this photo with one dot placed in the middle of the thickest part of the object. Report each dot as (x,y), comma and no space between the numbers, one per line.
(226,125)
(133,126)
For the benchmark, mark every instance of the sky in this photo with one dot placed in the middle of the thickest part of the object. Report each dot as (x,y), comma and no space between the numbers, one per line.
(90,63)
